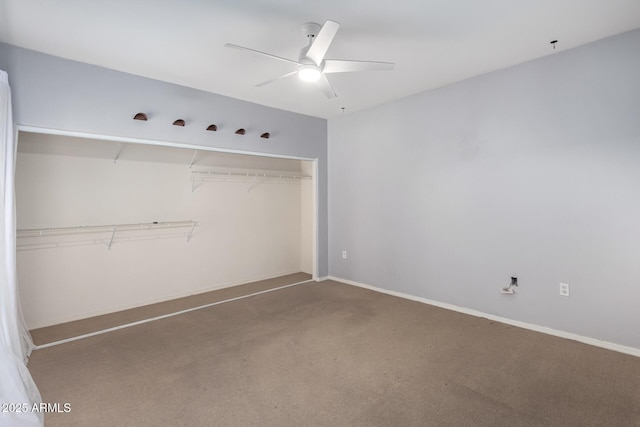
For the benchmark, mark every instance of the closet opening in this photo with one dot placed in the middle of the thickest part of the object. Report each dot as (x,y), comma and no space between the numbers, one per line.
(107,225)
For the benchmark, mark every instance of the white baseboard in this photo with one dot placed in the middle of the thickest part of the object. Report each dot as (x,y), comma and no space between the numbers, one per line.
(320,279)
(537,328)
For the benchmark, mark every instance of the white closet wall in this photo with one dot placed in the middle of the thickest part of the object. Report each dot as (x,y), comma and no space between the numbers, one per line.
(242,235)
(307,208)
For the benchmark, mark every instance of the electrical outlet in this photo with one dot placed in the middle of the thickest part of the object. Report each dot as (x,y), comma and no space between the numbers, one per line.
(344,254)
(564,289)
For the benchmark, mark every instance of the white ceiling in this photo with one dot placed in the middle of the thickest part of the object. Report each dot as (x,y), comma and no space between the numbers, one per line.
(432,42)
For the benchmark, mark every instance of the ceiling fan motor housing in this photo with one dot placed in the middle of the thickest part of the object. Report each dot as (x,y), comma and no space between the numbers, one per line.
(310,30)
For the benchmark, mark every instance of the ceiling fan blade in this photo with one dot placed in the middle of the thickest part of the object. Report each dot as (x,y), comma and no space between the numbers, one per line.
(322,41)
(325,86)
(277,78)
(268,55)
(340,66)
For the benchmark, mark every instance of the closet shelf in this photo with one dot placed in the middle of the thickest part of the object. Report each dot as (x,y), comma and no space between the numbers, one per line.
(250,176)
(105,229)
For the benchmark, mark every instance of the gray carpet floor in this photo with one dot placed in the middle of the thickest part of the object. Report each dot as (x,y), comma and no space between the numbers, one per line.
(91,325)
(330,354)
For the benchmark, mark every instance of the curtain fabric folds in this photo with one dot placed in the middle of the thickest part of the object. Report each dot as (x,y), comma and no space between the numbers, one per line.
(18,392)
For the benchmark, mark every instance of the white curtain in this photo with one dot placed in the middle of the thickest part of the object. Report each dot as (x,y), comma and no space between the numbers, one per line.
(18,392)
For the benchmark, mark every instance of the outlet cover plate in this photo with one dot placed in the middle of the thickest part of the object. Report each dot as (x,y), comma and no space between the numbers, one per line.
(564,289)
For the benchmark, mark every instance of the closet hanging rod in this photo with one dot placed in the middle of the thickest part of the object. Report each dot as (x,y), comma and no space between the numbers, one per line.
(88,229)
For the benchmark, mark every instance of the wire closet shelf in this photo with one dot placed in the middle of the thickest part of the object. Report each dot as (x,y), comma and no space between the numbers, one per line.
(252,177)
(27,237)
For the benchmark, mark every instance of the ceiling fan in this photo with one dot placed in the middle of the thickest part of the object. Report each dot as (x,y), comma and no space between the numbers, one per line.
(312,66)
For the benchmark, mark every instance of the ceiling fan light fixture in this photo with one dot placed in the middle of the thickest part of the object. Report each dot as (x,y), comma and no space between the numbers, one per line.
(312,66)
(309,73)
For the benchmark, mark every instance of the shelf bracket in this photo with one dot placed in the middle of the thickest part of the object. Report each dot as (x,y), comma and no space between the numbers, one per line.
(193,159)
(253,184)
(118,152)
(193,227)
(113,234)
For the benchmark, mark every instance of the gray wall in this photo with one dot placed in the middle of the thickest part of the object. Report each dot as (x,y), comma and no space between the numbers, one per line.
(56,93)
(531,171)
